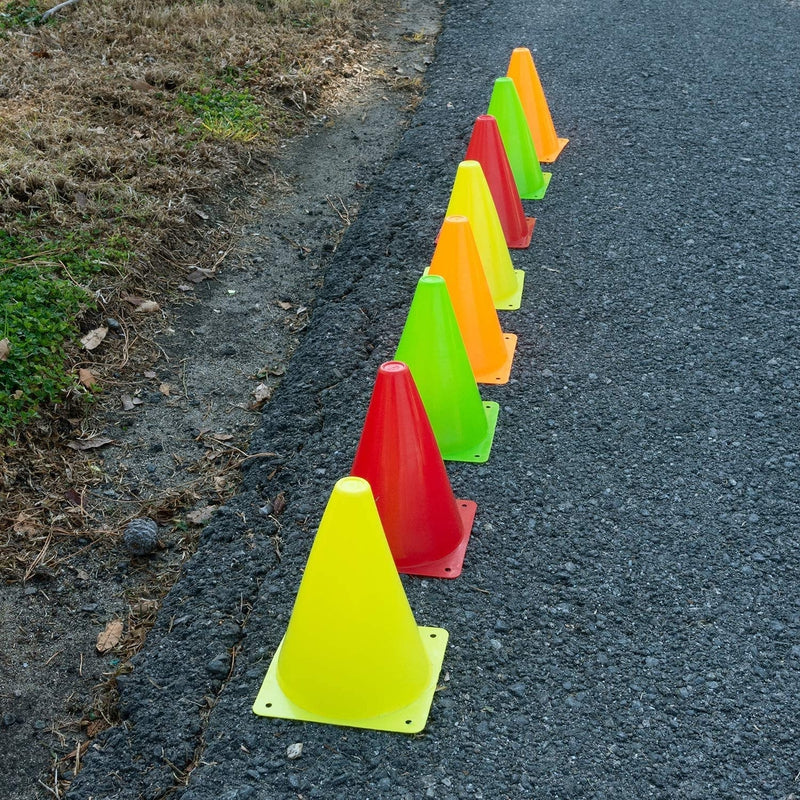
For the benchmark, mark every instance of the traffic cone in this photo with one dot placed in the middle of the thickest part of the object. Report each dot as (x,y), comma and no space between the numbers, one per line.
(352,653)
(506,108)
(426,527)
(432,346)
(522,71)
(472,198)
(456,259)
(486,147)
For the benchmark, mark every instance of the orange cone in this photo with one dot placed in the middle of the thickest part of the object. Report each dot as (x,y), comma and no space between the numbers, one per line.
(456,259)
(522,71)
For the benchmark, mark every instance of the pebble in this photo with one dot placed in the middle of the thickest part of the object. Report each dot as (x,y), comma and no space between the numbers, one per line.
(219,665)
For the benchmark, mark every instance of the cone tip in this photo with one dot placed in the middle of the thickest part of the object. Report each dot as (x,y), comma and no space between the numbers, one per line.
(470,165)
(431,280)
(456,219)
(486,118)
(392,367)
(352,485)
(520,50)
(504,81)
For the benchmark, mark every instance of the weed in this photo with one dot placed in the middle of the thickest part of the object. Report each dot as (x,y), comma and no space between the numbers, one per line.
(16,15)
(43,291)
(226,114)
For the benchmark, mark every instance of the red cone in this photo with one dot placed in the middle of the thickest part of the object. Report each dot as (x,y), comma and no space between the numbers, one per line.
(486,147)
(426,527)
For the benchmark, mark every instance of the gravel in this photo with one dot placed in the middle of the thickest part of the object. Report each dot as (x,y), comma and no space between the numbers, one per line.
(628,621)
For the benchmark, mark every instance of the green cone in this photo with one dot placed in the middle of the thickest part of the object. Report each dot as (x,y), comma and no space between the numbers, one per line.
(506,108)
(432,346)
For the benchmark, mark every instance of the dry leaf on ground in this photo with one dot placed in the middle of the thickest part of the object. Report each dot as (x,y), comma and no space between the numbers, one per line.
(94,338)
(129,403)
(147,307)
(165,389)
(284,305)
(261,394)
(86,378)
(109,638)
(5,349)
(92,443)
(201,515)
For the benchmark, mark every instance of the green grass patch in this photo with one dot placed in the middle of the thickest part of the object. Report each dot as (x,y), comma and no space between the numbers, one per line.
(44,288)
(226,114)
(18,15)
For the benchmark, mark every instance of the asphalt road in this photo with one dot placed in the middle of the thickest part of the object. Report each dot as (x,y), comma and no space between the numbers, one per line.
(627,624)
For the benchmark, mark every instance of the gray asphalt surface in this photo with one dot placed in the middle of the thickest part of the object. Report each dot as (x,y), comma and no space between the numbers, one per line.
(628,621)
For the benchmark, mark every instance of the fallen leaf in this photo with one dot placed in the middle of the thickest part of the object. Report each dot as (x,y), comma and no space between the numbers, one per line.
(129,403)
(5,349)
(73,498)
(91,443)
(86,378)
(147,307)
(149,373)
(24,524)
(199,275)
(279,503)
(201,515)
(142,86)
(261,394)
(165,389)
(133,299)
(94,338)
(284,305)
(109,638)
(222,437)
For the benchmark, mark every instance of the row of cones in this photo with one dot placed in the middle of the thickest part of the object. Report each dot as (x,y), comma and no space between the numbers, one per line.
(353,653)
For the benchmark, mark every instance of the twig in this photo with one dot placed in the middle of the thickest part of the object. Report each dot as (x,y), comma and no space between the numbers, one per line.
(50,11)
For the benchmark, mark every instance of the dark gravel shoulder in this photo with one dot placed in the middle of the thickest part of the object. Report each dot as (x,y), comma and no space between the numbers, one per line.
(627,624)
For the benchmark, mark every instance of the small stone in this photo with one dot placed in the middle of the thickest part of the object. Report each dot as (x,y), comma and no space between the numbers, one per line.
(9,720)
(294,751)
(219,665)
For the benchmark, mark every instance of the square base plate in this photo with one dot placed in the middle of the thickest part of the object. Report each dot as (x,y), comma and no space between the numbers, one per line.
(501,375)
(539,193)
(521,244)
(449,566)
(550,157)
(272,702)
(512,302)
(479,454)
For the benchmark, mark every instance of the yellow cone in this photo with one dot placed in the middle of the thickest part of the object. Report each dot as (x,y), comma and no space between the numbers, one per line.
(472,198)
(353,654)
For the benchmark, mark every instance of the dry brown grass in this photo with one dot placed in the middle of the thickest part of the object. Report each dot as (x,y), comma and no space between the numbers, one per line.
(92,133)
(99,136)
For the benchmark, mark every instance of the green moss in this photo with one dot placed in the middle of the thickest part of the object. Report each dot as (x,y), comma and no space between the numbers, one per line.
(44,288)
